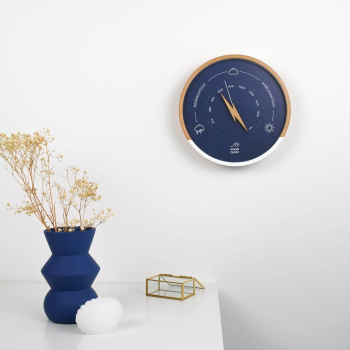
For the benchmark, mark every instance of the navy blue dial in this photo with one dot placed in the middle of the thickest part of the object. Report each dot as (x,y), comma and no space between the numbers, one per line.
(234,110)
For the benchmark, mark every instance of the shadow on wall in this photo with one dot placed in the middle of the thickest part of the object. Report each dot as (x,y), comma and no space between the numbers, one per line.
(240,332)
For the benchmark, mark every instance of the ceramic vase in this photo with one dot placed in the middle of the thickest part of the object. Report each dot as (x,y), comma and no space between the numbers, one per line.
(70,272)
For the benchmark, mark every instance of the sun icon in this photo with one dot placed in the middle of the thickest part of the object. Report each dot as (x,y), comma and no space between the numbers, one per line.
(269,127)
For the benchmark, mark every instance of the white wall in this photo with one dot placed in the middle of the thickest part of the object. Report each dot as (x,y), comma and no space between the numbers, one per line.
(106,77)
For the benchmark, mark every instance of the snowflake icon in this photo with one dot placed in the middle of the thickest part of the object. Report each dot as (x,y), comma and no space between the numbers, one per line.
(269,127)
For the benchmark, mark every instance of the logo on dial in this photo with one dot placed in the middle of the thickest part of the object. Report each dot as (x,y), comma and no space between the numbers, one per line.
(234,149)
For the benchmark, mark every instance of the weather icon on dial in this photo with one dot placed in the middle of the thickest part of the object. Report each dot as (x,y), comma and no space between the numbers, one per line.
(269,127)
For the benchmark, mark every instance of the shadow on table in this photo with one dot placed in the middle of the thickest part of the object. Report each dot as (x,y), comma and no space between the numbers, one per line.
(239,330)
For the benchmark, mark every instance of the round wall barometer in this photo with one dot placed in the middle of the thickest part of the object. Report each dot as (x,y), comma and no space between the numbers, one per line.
(234,110)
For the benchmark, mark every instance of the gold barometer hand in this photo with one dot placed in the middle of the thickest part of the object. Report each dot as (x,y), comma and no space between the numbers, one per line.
(234,113)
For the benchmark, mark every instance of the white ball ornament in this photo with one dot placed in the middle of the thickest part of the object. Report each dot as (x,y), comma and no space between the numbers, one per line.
(99,316)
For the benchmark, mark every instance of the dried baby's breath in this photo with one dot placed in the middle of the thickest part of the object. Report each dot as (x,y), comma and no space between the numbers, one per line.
(30,162)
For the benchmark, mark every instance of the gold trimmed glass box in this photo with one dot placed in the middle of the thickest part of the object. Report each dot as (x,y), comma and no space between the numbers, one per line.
(172,287)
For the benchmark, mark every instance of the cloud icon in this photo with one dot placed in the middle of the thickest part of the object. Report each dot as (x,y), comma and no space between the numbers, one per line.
(233,71)
(199,129)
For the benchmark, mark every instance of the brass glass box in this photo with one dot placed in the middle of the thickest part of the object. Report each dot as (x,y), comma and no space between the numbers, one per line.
(172,287)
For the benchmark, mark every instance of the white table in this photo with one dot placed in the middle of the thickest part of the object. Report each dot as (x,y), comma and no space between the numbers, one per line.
(147,323)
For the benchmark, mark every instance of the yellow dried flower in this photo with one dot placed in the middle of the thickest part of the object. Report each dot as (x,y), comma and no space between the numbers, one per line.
(30,161)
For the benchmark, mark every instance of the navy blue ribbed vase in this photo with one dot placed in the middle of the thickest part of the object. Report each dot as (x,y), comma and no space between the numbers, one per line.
(70,272)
